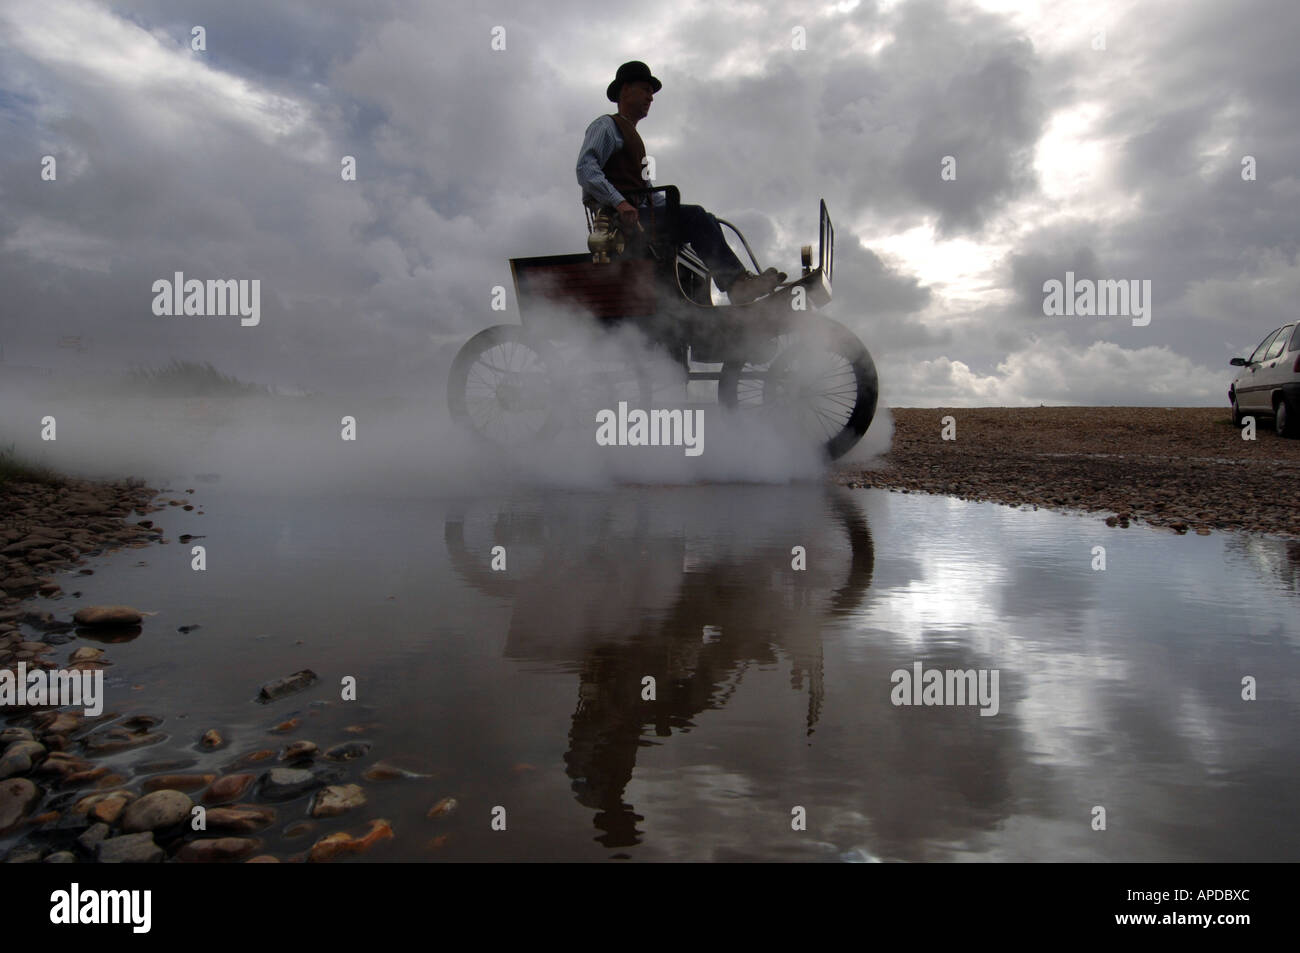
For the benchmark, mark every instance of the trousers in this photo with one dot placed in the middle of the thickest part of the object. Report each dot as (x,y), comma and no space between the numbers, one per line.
(704,234)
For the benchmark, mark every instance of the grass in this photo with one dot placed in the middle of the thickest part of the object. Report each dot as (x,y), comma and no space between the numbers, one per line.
(16,470)
(187,379)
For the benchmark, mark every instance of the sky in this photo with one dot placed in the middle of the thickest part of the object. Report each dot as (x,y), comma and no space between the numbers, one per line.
(1105,139)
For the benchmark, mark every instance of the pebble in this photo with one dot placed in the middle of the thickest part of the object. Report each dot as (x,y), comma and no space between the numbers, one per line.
(240,818)
(348,751)
(179,782)
(17,797)
(383,771)
(283,784)
(212,739)
(130,849)
(160,809)
(338,799)
(443,807)
(216,849)
(107,615)
(332,845)
(230,788)
(280,687)
(19,758)
(90,838)
(299,750)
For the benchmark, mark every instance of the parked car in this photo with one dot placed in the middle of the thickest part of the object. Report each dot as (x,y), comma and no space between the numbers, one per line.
(1269,382)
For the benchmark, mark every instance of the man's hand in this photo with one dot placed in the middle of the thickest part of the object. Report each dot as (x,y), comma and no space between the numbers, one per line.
(627,214)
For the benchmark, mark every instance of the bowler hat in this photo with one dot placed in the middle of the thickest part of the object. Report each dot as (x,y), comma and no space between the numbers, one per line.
(633,72)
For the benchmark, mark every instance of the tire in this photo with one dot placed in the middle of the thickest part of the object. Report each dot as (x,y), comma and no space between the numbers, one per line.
(502,387)
(1283,419)
(822,374)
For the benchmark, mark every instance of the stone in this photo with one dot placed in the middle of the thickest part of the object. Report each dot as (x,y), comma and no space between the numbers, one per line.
(338,799)
(240,818)
(332,845)
(280,687)
(348,751)
(212,739)
(443,807)
(217,849)
(179,782)
(298,750)
(61,857)
(86,654)
(155,811)
(107,615)
(229,788)
(17,797)
(90,838)
(283,784)
(19,758)
(130,849)
(108,810)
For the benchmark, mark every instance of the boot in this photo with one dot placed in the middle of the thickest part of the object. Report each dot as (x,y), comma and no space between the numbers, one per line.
(750,287)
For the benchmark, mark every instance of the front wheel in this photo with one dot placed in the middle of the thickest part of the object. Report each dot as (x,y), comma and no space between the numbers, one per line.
(822,378)
(502,387)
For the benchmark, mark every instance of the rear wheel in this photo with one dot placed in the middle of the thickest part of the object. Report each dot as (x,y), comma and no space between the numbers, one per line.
(822,379)
(502,386)
(1283,422)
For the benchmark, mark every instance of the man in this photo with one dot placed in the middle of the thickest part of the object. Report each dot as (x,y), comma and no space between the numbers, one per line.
(610,164)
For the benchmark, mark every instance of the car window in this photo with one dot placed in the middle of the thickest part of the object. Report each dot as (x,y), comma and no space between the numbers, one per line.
(1258,356)
(1279,342)
(1295,340)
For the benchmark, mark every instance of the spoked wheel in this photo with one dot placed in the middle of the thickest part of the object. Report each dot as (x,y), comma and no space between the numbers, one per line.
(822,380)
(503,386)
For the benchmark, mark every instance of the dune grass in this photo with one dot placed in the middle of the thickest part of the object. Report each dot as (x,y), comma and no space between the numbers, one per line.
(14,469)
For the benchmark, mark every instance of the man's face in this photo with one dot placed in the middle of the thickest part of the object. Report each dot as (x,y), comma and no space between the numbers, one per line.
(634,99)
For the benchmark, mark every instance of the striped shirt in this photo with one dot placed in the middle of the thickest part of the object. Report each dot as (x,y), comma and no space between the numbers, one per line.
(601,141)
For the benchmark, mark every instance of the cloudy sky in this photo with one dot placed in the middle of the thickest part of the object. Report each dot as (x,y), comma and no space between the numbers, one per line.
(1103,138)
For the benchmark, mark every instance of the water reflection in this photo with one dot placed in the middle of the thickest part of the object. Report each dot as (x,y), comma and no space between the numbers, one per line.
(688,593)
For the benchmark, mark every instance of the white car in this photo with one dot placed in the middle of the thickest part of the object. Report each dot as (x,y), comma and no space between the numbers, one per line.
(1269,383)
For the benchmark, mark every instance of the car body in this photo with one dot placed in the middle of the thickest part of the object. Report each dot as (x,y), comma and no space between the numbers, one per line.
(1269,382)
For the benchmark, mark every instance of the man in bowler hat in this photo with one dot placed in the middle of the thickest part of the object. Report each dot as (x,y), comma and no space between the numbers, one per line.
(610,164)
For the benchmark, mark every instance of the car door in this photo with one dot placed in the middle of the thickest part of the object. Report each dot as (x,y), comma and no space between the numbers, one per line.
(1273,367)
(1247,387)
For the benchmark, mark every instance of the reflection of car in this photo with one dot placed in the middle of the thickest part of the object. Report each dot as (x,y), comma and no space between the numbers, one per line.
(1269,383)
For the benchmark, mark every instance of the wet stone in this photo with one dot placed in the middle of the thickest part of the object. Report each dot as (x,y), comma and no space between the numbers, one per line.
(107,616)
(89,840)
(348,751)
(283,784)
(156,811)
(217,849)
(130,849)
(280,687)
(240,818)
(179,782)
(338,799)
(17,797)
(229,788)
